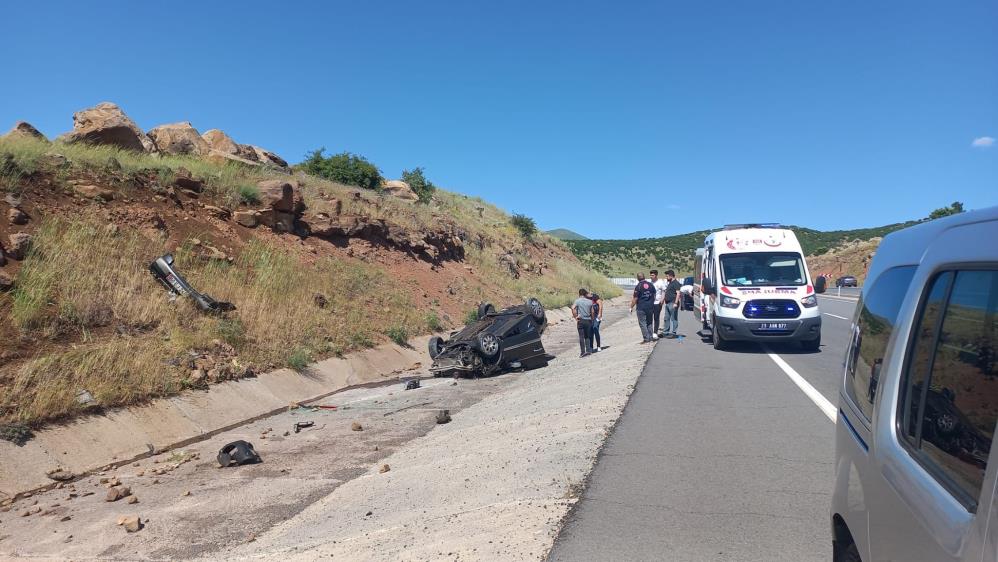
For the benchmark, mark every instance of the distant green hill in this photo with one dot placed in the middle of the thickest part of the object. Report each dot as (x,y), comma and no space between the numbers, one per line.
(566,234)
(625,257)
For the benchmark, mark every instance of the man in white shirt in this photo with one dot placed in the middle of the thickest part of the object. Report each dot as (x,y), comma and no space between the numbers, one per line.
(660,286)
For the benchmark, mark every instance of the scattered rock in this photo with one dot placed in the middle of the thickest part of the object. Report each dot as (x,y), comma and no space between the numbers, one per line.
(132,499)
(184,180)
(131,523)
(384,468)
(355,426)
(53,160)
(60,475)
(106,123)
(6,281)
(186,493)
(368,514)
(218,212)
(116,493)
(179,138)
(94,192)
(278,195)
(20,243)
(17,216)
(267,157)
(221,143)
(443,416)
(24,129)
(65,518)
(245,218)
(320,300)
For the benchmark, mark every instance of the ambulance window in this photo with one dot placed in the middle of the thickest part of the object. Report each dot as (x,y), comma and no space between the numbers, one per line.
(878,311)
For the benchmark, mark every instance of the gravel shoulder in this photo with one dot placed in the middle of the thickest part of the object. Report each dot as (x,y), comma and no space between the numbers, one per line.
(493,483)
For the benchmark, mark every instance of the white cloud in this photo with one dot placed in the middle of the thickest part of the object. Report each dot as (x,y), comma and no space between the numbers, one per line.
(983,142)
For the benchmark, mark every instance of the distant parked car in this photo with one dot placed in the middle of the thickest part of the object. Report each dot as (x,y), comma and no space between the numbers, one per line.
(846,281)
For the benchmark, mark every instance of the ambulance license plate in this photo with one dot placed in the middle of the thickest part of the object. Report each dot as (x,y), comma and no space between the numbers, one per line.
(775,326)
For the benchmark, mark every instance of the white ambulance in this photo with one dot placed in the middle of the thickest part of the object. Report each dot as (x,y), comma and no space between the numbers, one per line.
(755,286)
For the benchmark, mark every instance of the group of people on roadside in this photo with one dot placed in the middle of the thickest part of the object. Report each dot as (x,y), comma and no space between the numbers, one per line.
(588,313)
(651,298)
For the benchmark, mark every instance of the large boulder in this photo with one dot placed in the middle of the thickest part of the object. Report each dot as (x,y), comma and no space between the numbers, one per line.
(268,158)
(106,123)
(179,138)
(23,129)
(400,189)
(220,142)
(278,195)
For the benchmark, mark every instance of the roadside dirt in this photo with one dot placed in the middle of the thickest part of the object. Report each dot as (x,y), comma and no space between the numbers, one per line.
(190,508)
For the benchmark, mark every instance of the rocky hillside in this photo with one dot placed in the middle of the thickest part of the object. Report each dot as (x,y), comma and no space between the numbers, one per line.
(315,268)
(850,258)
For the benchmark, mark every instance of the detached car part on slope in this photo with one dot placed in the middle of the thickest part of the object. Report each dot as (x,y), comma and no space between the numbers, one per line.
(510,338)
(162,270)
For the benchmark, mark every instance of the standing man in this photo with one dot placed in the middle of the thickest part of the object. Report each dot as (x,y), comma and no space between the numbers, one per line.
(597,320)
(582,311)
(672,296)
(660,285)
(644,301)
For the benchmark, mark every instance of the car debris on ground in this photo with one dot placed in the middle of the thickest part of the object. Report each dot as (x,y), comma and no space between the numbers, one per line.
(238,453)
(162,270)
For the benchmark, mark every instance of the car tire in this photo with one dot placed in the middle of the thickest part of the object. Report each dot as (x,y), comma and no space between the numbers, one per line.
(488,345)
(847,553)
(811,345)
(436,345)
(485,309)
(536,310)
(719,342)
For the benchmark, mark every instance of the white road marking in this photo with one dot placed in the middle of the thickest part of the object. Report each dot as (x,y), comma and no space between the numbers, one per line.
(820,401)
(834,315)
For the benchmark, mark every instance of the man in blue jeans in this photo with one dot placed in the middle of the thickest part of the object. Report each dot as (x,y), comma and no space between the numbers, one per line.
(644,301)
(670,323)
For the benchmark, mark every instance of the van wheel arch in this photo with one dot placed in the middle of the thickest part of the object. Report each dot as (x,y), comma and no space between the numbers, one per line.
(844,548)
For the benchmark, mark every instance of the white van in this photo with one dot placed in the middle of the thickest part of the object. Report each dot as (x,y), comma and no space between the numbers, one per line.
(918,402)
(755,286)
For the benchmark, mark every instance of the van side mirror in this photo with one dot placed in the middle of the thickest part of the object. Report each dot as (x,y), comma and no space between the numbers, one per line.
(820,284)
(168,258)
(708,287)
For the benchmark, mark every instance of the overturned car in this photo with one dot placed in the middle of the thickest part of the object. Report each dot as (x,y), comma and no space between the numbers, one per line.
(507,339)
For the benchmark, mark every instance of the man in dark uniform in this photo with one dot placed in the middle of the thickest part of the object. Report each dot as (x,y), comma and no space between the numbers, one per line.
(644,301)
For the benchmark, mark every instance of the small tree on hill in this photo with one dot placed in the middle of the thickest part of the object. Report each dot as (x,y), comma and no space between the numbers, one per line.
(524,224)
(345,168)
(418,182)
(954,209)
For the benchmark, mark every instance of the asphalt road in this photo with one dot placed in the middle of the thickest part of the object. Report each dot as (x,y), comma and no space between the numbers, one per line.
(719,455)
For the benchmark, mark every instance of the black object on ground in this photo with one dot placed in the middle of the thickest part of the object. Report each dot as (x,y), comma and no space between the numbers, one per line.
(162,269)
(443,416)
(496,341)
(237,453)
(302,425)
(412,384)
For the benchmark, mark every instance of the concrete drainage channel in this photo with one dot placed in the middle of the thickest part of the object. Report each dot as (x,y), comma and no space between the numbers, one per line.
(505,470)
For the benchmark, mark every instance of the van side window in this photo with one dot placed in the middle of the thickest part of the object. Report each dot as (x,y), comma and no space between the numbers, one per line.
(949,402)
(878,313)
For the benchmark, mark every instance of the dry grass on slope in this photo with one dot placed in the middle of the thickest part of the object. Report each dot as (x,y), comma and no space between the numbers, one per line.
(85,283)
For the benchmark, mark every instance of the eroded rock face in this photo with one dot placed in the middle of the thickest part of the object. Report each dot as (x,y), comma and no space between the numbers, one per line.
(179,138)
(107,124)
(25,130)
(400,189)
(20,243)
(278,195)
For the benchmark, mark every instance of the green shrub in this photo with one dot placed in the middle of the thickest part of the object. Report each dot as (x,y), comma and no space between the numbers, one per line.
(345,168)
(299,359)
(248,194)
(471,316)
(524,224)
(433,322)
(418,182)
(232,331)
(399,335)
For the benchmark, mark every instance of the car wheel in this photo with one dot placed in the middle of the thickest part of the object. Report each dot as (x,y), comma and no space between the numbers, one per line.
(811,345)
(436,345)
(720,343)
(536,310)
(847,553)
(485,309)
(488,345)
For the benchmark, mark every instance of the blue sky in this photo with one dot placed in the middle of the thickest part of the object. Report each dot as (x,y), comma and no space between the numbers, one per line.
(619,120)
